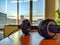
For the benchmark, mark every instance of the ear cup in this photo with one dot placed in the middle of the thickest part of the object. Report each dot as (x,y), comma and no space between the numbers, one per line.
(43,29)
(25,26)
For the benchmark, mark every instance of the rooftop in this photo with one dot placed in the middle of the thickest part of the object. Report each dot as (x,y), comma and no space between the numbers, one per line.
(3,14)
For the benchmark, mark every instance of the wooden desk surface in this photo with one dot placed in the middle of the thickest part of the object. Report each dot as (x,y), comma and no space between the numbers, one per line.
(33,39)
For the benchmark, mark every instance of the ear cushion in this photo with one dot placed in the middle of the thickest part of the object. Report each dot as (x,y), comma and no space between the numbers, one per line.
(43,29)
(25,26)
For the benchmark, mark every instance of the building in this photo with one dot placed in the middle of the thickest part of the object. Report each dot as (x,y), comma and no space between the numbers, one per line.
(3,18)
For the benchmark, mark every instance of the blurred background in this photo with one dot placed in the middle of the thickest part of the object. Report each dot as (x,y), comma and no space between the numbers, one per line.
(40,11)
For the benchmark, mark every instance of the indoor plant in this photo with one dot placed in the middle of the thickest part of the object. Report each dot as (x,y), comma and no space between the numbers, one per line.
(57,14)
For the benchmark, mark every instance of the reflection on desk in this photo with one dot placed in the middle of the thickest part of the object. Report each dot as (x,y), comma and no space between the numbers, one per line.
(33,39)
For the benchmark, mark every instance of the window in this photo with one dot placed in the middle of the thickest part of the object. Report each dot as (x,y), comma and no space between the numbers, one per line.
(8,11)
(24,8)
(2,17)
(38,11)
(7,14)
(2,13)
(59,4)
(11,11)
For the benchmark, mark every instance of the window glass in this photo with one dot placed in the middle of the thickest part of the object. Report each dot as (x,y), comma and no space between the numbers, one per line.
(7,14)
(2,13)
(11,12)
(3,17)
(38,11)
(24,8)
(59,5)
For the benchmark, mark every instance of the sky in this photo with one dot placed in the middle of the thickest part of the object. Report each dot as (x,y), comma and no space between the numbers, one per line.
(9,7)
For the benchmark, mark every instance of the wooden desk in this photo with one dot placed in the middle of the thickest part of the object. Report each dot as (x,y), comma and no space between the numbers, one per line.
(33,39)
